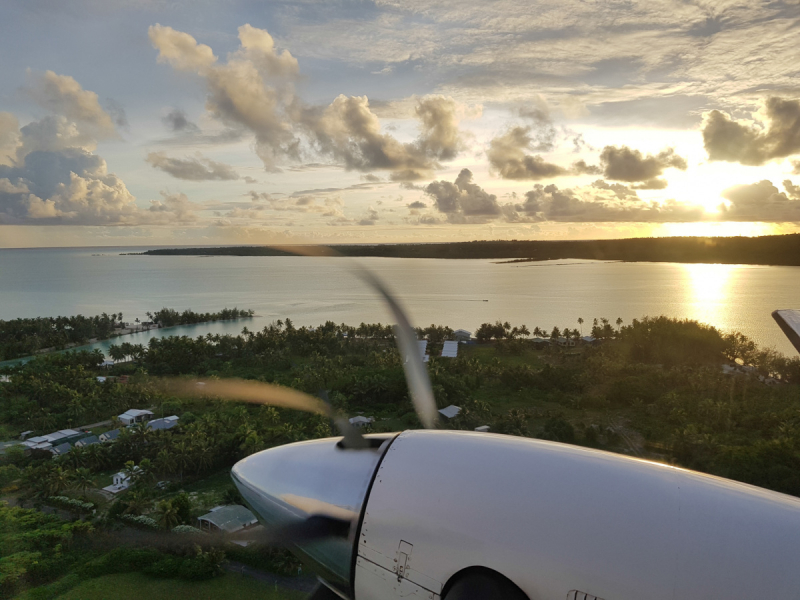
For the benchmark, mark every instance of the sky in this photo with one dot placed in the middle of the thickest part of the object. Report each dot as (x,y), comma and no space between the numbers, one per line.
(161,122)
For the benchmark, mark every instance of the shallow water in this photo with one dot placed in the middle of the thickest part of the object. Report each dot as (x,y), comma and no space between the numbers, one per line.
(458,293)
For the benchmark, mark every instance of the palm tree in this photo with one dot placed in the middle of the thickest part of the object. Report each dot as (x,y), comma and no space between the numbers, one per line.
(57,481)
(138,502)
(580,322)
(165,462)
(82,480)
(619,323)
(167,514)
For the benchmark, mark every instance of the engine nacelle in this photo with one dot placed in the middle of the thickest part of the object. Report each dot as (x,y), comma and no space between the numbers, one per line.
(557,520)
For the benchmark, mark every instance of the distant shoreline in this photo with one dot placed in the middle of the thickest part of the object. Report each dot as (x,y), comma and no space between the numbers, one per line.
(774,250)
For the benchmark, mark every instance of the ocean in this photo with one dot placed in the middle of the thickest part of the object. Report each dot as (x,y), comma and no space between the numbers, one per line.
(459,293)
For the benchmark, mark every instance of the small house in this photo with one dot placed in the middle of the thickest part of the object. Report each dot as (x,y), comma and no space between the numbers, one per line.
(120,482)
(61,449)
(24,435)
(482,428)
(107,364)
(360,421)
(588,339)
(109,436)
(135,415)
(5,378)
(462,335)
(450,412)
(165,423)
(229,519)
(87,441)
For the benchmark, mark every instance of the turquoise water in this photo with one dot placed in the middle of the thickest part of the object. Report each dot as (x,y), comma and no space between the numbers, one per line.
(458,293)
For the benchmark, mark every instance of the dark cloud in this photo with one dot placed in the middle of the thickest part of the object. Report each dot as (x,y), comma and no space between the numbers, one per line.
(791,189)
(417,205)
(117,112)
(621,191)
(370,218)
(760,201)
(196,168)
(463,201)
(735,141)
(178,122)
(507,155)
(796,167)
(548,203)
(627,164)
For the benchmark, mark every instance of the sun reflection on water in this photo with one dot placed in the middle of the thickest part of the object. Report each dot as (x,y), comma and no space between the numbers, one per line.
(710,286)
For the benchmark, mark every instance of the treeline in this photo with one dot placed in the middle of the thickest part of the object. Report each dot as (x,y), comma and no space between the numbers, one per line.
(24,337)
(167,317)
(764,250)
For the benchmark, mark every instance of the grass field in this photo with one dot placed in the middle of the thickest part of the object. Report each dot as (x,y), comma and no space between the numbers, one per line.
(134,586)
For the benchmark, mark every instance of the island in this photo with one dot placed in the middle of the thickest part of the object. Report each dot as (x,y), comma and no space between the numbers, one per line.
(765,250)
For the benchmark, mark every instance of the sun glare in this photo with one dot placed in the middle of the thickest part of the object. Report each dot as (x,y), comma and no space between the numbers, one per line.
(708,286)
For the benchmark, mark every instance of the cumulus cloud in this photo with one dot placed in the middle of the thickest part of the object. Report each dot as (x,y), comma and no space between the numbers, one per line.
(776,136)
(53,176)
(238,92)
(508,156)
(548,203)
(621,191)
(64,96)
(628,164)
(370,218)
(176,206)
(463,201)
(760,201)
(417,205)
(197,168)
(254,90)
(796,167)
(348,130)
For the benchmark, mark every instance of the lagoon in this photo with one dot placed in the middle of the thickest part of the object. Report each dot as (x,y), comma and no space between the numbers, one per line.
(458,293)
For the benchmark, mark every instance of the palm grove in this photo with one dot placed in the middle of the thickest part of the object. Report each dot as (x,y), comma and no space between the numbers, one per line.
(653,388)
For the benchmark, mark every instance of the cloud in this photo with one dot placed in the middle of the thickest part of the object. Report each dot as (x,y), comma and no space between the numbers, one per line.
(370,218)
(417,205)
(197,168)
(760,201)
(9,138)
(70,186)
(791,189)
(176,206)
(627,164)
(349,131)
(777,136)
(623,192)
(254,90)
(238,94)
(796,167)
(548,203)
(180,49)
(507,155)
(178,122)
(64,96)
(463,201)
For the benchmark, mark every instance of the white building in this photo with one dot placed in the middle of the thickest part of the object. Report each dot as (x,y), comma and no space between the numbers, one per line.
(121,482)
(360,421)
(462,335)
(134,415)
(165,423)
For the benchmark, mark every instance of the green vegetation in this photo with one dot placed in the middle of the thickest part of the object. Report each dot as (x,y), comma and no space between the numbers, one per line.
(133,586)
(653,388)
(763,250)
(26,337)
(166,317)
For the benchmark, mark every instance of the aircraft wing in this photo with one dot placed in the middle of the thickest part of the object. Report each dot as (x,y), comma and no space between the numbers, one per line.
(789,321)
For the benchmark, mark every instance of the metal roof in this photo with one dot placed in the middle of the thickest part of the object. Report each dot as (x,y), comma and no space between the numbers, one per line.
(450,411)
(165,423)
(230,518)
(450,349)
